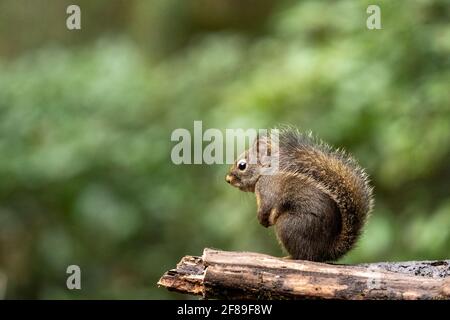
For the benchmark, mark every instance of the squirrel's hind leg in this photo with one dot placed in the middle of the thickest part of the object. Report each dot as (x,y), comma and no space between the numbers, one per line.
(290,236)
(297,235)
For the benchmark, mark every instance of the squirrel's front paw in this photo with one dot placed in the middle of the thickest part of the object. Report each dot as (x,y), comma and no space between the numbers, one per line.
(268,219)
(264,220)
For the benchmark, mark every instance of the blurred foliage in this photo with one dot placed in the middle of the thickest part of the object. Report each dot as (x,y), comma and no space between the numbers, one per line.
(86,117)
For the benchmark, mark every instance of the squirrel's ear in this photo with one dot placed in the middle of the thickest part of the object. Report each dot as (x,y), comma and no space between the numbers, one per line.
(263,149)
(263,145)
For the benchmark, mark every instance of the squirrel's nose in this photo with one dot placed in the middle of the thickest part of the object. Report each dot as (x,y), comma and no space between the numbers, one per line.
(228,178)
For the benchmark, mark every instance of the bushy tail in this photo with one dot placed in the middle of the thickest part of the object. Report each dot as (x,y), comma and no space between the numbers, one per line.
(336,173)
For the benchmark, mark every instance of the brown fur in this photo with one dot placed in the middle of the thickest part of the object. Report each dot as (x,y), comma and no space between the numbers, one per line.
(318,201)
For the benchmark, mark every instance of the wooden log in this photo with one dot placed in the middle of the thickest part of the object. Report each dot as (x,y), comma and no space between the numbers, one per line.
(247,275)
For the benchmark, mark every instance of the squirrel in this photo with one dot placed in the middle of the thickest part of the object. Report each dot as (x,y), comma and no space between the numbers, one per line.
(318,199)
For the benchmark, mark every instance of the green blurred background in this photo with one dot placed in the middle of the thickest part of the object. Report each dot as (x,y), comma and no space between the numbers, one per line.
(86,117)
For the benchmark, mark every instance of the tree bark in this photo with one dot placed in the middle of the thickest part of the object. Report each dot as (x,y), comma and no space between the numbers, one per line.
(247,275)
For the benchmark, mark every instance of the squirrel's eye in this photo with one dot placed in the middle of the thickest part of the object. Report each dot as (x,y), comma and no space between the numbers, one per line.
(242,165)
